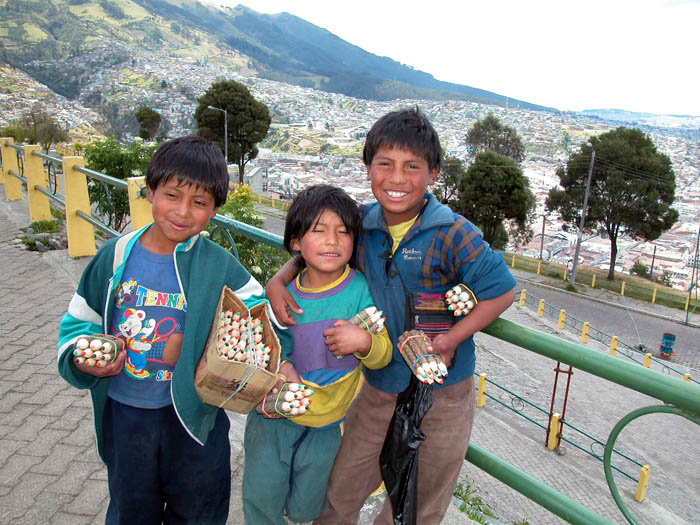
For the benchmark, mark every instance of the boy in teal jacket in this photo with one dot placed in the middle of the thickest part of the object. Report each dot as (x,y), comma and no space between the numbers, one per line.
(167,452)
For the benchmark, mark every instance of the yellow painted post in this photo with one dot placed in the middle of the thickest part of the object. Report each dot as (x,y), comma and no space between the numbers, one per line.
(622,289)
(686,377)
(584,332)
(593,281)
(653,296)
(139,206)
(613,346)
(566,272)
(647,360)
(512,261)
(562,318)
(554,429)
(687,302)
(539,267)
(481,397)
(39,208)
(13,186)
(81,236)
(523,293)
(540,310)
(643,484)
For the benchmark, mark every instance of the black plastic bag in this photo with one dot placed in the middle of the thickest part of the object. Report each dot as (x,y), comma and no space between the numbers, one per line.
(399,457)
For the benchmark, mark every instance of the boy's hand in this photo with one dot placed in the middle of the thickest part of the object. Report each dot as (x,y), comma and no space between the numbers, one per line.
(444,345)
(283,304)
(344,338)
(287,369)
(112,369)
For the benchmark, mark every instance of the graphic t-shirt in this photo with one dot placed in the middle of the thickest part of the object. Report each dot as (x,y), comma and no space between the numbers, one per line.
(149,316)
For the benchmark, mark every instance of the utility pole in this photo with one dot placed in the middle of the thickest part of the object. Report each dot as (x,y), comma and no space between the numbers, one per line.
(544,218)
(653,259)
(694,276)
(583,218)
(225,132)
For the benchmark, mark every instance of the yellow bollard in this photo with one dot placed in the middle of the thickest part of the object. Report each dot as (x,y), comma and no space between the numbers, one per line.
(39,208)
(512,262)
(584,332)
(686,377)
(687,302)
(540,310)
(522,297)
(593,281)
(613,346)
(562,318)
(653,296)
(566,272)
(622,290)
(539,267)
(140,208)
(481,397)
(554,429)
(647,360)
(81,235)
(13,186)
(643,484)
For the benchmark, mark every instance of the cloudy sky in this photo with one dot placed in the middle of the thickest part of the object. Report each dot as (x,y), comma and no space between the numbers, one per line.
(636,55)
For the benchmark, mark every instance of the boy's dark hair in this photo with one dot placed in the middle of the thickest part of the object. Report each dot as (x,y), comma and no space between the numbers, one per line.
(407,129)
(194,160)
(309,203)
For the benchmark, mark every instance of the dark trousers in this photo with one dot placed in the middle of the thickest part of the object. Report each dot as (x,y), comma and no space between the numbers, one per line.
(157,473)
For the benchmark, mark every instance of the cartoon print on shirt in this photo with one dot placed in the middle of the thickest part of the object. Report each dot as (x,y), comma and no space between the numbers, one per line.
(139,335)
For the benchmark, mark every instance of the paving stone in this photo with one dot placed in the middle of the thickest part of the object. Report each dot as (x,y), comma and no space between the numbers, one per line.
(32,427)
(44,444)
(45,509)
(74,478)
(15,467)
(8,447)
(98,491)
(18,416)
(24,493)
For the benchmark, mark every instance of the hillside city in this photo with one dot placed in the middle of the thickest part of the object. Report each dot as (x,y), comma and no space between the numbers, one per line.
(171,85)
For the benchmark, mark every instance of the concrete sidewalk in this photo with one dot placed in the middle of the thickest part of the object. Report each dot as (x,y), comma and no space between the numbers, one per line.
(50,473)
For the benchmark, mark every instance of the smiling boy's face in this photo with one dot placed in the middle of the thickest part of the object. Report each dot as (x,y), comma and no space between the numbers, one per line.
(399,180)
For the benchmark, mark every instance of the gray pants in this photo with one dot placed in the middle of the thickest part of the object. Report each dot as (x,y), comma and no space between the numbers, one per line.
(356,474)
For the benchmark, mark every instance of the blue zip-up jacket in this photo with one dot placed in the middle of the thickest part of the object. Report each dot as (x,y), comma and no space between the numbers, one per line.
(202,269)
(440,250)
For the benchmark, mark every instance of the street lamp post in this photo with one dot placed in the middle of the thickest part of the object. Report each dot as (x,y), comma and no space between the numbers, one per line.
(583,219)
(225,131)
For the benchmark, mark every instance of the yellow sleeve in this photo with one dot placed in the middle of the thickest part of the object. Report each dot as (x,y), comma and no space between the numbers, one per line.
(380,352)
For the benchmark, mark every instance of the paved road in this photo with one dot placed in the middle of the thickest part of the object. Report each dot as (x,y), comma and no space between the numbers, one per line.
(49,472)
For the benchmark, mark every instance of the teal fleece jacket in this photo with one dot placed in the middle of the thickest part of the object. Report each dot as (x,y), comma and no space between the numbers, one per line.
(202,268)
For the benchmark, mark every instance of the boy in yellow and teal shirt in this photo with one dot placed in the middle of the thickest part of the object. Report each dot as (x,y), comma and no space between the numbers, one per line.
(288,461)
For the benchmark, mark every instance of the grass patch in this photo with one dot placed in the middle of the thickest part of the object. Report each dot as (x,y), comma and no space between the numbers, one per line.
(48,226)
(570,288)
(472,505)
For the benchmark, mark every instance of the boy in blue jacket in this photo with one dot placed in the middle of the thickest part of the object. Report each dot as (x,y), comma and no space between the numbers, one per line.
(412,250)
(157,288)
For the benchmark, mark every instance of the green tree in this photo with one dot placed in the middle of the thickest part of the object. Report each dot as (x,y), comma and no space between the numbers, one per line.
(446,187)
(118,161)
(260,259)
(632,188)
(149,122)
(493,190)
(490,135)
(248,120)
